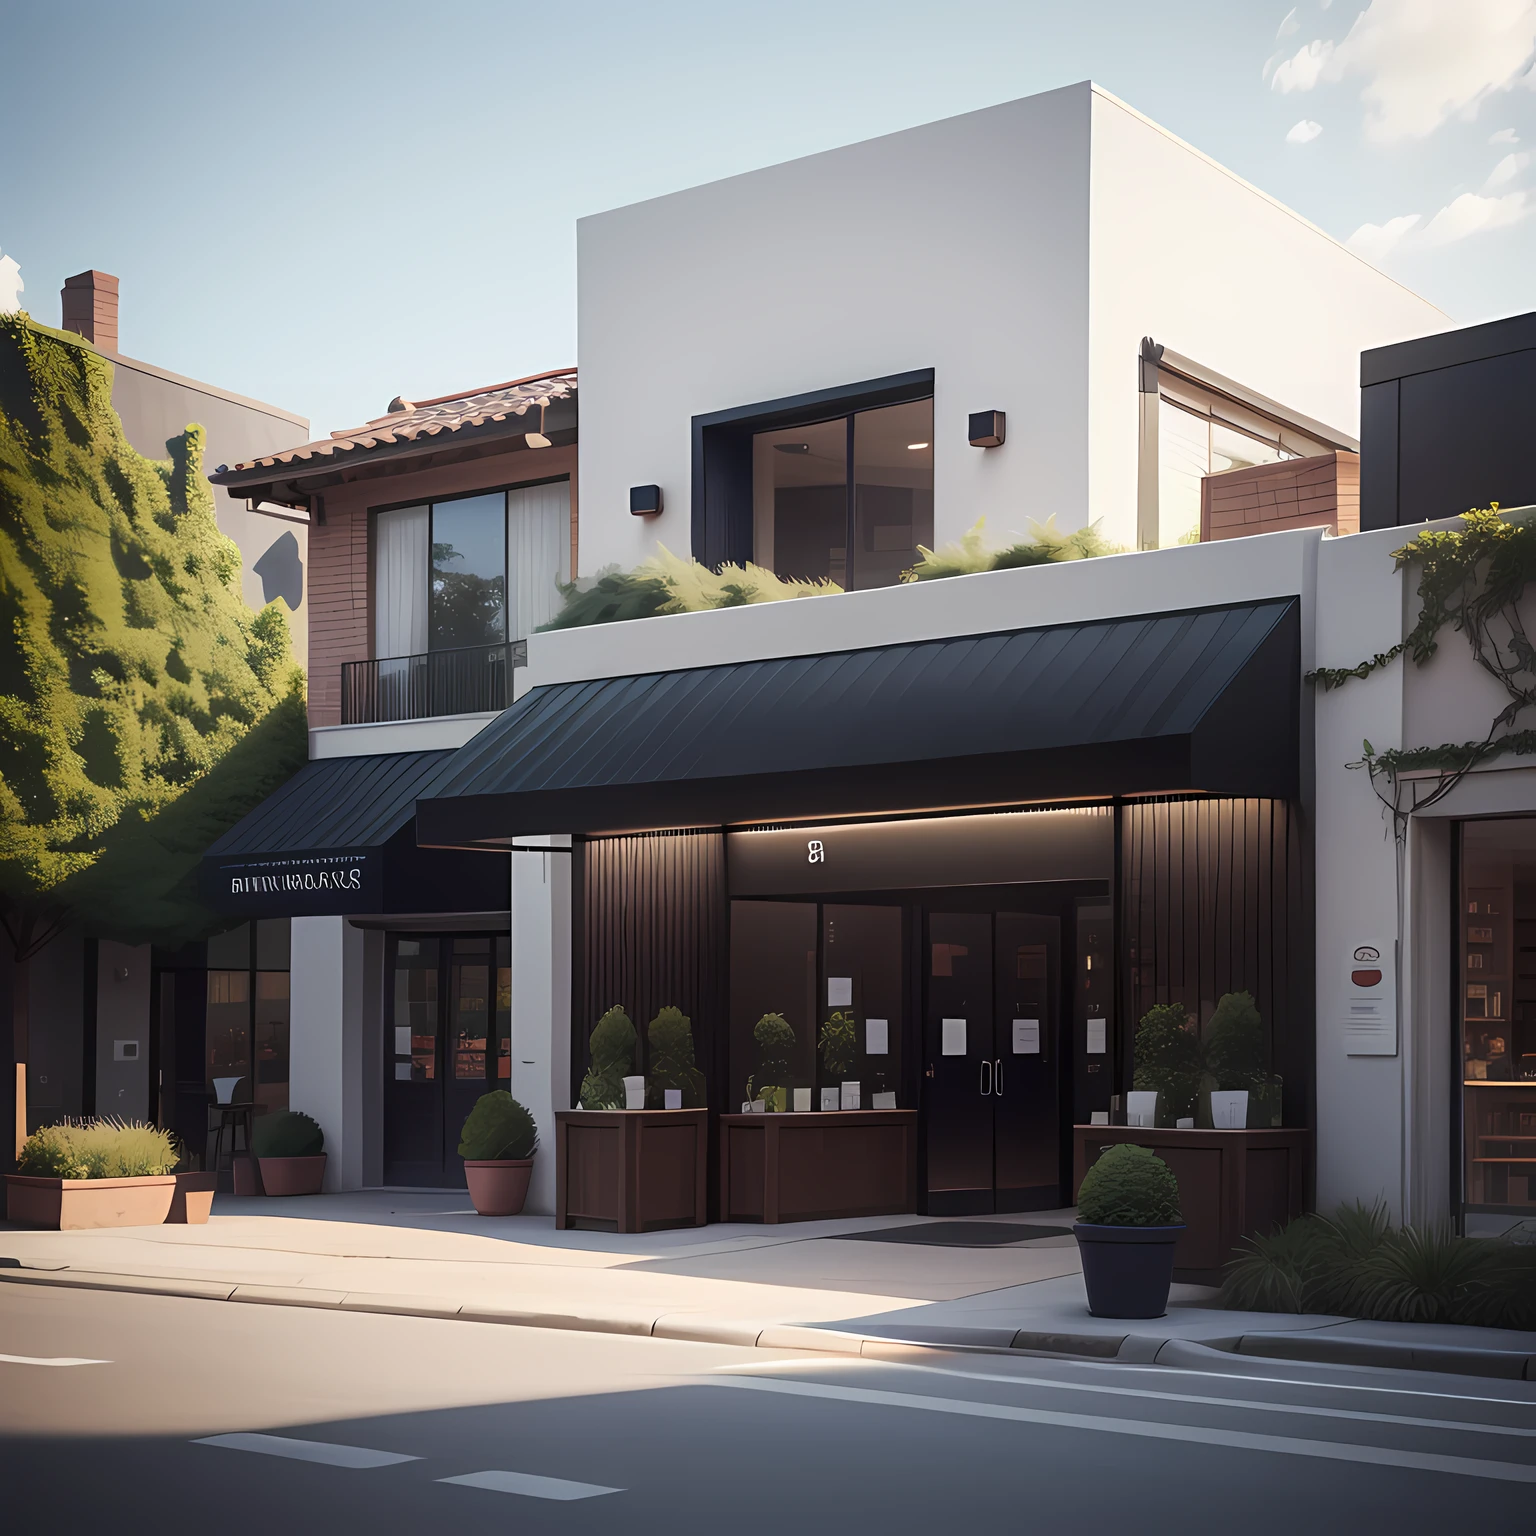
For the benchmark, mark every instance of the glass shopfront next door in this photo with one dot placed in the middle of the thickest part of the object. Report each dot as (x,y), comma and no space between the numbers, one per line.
(991,1062)
(447,1041)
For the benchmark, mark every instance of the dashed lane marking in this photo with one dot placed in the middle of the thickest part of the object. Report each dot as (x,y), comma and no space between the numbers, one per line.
(48,1360)
(325,1452)
(529,1485)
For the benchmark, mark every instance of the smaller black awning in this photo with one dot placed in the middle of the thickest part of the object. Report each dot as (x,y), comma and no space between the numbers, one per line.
(339,837)
(1173,703)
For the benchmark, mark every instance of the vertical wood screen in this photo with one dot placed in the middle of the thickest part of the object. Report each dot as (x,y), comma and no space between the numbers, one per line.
(654,934)
(1213,902)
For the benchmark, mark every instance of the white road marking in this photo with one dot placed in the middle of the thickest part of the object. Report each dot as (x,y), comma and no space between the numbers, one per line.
(1463,1466)
(527,1483)
(325,1452)
(1256,1405)
(47,1360)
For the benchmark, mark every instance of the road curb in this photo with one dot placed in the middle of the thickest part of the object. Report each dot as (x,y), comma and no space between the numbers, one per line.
(1131,1349)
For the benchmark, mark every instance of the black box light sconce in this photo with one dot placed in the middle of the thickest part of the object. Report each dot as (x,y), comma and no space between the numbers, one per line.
(988,429)
(644,500)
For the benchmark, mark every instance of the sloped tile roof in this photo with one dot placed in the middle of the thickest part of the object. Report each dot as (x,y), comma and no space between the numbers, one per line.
(426,418)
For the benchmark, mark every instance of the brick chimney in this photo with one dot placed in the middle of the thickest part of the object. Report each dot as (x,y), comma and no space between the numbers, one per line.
(90,308)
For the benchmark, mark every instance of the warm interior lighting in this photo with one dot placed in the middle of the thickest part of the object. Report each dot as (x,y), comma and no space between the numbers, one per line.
(913,447)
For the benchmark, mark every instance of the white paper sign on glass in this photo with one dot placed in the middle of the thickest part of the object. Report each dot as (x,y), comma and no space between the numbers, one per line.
(1099,1117)
(1097,1031)
(952,1037)
(402,1039)
(1026,1037)
(849,1098)
(882,1101)
(402,1071)
(877,1037)
(839,991)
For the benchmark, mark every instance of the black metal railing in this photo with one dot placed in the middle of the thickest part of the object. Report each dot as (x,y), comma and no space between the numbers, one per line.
(468,681)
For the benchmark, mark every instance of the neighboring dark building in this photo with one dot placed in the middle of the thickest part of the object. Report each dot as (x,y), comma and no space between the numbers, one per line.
(1445,423)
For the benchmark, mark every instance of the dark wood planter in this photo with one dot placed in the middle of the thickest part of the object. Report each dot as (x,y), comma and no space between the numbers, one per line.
(498,1186)
(80,1205)
(193,1201)
(818,1166)
(292,1175)
(640,1170)
(1232,1184)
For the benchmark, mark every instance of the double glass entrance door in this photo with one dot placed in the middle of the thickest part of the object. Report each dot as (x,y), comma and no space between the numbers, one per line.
(991,1065)
(447,1041)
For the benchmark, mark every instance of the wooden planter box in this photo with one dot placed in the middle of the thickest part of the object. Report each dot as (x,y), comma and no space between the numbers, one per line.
(818,1166)
(621,1170)
(78,1205)
(1232,1184)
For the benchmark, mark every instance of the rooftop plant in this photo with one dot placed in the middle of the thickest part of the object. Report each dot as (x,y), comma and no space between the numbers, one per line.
(669,1038)
(971,554)
(498,1127)
(98,1149)
(286,1133)
(1129,1187)
(613,1059)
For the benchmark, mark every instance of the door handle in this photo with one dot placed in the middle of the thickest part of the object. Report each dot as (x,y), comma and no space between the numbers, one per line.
(997,1077)
(985,1083)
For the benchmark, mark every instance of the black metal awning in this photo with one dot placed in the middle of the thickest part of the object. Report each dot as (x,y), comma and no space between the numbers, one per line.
(1203,701)
(338,837)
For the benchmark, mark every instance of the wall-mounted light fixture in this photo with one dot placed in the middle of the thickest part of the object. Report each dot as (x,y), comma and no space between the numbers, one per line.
(645,500)
(988,429)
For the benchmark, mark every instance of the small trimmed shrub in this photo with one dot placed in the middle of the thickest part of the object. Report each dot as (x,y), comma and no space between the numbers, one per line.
(1354,1263)
(613,1059)
(1129,1187)
(98,1149)
(498,1127)
(839,1045)
(669,1037)
(286,1133)
(775,1037)
(1168,1061)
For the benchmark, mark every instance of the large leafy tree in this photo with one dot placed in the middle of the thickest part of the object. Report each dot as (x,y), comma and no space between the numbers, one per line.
(143,706)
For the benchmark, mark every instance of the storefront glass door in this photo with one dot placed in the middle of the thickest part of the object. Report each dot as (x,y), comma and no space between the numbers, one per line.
(991,1071)
(447,1041)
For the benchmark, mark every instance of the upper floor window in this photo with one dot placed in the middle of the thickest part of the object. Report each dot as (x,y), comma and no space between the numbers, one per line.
(472,571)
(848,499)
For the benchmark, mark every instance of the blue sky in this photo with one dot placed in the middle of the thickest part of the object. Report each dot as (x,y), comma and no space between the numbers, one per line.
(328,203)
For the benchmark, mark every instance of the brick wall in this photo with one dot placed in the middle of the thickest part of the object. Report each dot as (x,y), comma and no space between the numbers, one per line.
(1319,492)
(340,612)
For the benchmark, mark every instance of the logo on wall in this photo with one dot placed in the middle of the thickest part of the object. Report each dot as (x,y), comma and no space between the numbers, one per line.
(816,853)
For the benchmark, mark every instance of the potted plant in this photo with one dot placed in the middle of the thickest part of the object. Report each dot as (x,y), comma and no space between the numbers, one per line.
(1128,1221)
(839,1045)
(613,1059)
(669,1037)
(94,1173)
(289,1148)
(775,1038)
(497,1144)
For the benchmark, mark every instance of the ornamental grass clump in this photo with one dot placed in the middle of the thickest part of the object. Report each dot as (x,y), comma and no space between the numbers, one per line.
(970,555)
(1129,1187)
(287,1133)
(498,1128)
(1354,1263)
(98,1149)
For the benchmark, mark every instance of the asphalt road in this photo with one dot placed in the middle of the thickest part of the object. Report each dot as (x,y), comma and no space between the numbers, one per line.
(146,1413)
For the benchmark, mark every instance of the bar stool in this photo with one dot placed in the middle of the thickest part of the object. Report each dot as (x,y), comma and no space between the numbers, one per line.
(234,1119)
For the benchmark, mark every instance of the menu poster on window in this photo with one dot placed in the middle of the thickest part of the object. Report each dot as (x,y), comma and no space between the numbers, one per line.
(877,1037)
(402,1039)
(1098,1031)
(1026,1037)
(952,1037)
(839,991)
(1370,1006)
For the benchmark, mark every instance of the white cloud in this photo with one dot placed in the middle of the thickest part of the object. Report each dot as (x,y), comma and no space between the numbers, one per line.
(1506,170)
(11,286)
(1424,61)
(1471,214)
(1374,241)
(1289,26)
(1304,70)
(1304,132)
(1504,136)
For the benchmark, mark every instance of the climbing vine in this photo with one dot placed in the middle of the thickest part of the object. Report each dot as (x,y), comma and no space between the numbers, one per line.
(1473,579)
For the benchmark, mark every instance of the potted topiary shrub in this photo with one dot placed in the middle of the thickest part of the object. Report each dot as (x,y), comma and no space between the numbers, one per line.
(1128,1221)
(613,1059)
(289,1148)
(94,1173)
(775,1037)
(497,1144)
(670,1038)
(839,1045)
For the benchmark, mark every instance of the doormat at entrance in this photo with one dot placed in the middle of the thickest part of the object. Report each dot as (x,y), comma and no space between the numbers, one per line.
(958,1234)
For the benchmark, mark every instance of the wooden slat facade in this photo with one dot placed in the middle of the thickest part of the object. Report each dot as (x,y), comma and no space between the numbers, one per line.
(1318,492)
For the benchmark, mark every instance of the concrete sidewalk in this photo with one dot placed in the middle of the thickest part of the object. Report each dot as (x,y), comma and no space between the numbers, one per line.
(811,1285)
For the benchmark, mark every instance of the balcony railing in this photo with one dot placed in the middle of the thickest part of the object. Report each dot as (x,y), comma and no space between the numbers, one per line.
(461,682)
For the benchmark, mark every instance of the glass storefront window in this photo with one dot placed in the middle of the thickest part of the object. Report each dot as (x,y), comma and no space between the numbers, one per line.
(229,1031)
(469,993)
(271,1040)
(415,1013)
(1496,945)
(862,963)
(502,1036)
(773,973)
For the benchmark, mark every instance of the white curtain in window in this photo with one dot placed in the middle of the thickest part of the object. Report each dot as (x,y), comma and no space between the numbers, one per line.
(400,582)
(539,554)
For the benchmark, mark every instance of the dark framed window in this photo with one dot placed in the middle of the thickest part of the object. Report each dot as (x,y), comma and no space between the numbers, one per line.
(835,485)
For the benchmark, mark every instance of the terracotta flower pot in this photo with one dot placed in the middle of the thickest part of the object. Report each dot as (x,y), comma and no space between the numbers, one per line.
(77,1205)
(498,1186)
(292,1175)
(193,1200)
